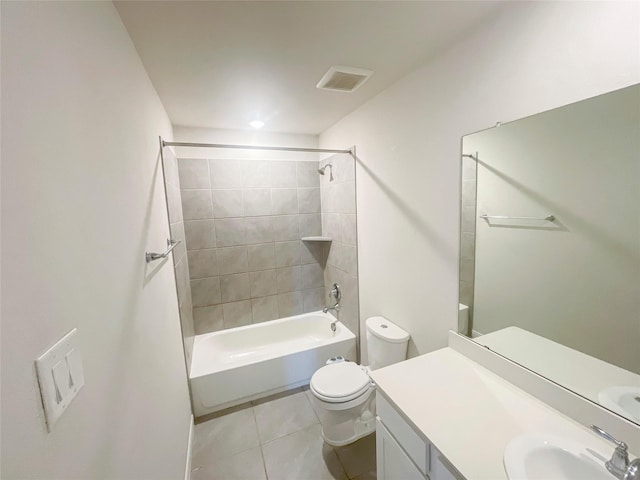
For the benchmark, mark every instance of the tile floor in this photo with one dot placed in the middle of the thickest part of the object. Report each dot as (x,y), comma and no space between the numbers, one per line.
(276,438)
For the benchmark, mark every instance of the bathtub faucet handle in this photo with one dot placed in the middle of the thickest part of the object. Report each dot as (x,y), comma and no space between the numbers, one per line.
(336,293)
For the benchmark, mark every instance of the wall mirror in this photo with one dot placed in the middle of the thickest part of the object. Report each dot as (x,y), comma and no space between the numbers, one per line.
(550,245)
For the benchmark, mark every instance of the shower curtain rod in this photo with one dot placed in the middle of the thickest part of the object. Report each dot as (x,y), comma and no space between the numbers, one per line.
(256,147)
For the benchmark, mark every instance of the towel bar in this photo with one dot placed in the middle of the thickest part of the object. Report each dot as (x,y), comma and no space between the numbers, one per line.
(171,244)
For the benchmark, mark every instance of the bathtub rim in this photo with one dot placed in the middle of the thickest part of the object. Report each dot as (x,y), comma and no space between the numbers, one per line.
(342,333)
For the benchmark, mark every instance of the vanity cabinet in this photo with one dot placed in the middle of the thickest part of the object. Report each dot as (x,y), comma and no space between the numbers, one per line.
(392,461)
(402,454)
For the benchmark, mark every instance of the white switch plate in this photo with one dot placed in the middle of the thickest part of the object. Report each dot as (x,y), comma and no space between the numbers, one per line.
(60,376)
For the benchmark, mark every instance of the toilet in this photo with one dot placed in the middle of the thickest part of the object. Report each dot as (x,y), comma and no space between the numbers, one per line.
(342,392)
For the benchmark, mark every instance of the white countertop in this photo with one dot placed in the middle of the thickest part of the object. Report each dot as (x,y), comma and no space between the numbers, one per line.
(470,414)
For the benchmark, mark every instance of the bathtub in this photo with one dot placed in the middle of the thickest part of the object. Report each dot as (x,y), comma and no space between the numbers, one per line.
(233,366)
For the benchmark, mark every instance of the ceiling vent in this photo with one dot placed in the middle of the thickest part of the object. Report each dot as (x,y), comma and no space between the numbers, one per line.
(344,79)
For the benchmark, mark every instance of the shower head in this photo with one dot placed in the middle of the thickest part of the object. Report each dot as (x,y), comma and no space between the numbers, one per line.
(321,170)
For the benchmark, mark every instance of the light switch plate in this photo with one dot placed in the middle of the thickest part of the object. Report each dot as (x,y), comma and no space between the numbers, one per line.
(60,376)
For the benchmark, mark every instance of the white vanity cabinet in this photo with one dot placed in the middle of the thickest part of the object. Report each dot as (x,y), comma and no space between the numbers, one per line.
(401,454)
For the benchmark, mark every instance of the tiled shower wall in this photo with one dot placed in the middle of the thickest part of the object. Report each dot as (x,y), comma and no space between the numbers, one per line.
(176,223)
(243,221)
(468,234)
(338,189)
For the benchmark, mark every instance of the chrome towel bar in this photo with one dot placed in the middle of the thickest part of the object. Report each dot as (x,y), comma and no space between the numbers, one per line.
(548,218)
(171,244)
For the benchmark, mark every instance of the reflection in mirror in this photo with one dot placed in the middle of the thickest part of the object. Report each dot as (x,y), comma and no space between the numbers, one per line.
(550,245)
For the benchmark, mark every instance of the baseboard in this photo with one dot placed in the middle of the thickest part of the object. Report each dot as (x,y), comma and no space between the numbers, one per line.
(187,471)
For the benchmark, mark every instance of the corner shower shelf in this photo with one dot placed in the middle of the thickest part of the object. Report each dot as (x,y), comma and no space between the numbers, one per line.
(317,239)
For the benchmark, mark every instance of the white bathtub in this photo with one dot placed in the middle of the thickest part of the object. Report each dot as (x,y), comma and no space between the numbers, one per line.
(233,366)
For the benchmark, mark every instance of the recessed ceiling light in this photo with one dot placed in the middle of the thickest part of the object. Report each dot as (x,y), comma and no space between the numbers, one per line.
(257,124)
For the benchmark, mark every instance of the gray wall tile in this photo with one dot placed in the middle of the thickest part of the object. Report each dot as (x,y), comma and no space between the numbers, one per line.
(313,300)
(230,232)
(203,263)
(174,202)
(331,226)
(312,276)
(228,203)
(287,253)
(196,204)
(225,173)
(264,308)
(199,234)
(205,291)
(194,173)
(283,174)
(309,200)
(284,201)
(348,228)
(235,287)
(310,224)
(256,174)
(263,283)
(288,279)
(183,286)
(261,256)
(237,314)
(285,227)
(257,201)
(308,174)
(207,319)
(259,230)
(232,260)
(177,233)
(290,304)
(258,212)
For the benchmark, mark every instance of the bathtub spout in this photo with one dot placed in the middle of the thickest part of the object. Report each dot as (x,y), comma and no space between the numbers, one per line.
(336,307)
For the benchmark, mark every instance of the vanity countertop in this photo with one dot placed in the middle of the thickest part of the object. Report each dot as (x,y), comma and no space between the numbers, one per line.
(469,413)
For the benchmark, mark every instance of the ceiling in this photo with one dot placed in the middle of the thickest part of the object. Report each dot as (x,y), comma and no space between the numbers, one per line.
(223,64)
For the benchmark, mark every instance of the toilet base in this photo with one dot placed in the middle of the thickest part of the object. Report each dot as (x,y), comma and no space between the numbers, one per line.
(343,427)
(356,429)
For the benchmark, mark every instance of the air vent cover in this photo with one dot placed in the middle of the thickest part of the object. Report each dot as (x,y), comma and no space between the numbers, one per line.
(344,79)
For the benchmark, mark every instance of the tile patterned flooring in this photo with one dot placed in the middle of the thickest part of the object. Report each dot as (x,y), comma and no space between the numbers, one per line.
(276,438)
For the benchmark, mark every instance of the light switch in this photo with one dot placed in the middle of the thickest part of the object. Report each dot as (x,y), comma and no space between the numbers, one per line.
(60,376)
(76,374)
(61,380)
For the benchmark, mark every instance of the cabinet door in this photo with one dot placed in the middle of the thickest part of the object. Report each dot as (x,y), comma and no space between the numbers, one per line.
(392,462)
(442,469)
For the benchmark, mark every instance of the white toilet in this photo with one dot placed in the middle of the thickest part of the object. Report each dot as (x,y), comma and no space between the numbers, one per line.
(343,393)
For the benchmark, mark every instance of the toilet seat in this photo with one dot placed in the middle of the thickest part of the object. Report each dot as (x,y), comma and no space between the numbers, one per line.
(340,382)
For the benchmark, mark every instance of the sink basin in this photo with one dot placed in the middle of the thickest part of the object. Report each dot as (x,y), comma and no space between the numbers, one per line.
(545,457)
(622,400)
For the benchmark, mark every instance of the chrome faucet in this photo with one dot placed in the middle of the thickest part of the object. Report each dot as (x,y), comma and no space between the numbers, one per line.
(336,307)
(619,465)
(337,295)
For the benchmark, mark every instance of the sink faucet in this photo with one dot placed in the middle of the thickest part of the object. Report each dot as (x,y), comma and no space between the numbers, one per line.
(619,465)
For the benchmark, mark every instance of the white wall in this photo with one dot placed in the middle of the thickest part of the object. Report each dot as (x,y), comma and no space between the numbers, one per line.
(531,57)
(82,199)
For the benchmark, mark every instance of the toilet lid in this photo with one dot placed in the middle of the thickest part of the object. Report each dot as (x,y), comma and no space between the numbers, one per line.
(340,381)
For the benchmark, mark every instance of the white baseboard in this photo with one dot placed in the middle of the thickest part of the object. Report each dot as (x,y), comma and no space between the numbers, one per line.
(187,471)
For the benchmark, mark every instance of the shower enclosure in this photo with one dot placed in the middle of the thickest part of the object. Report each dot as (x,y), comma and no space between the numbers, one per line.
(263,238)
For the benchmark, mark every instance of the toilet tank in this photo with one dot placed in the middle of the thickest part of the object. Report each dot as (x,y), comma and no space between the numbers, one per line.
(386,342)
